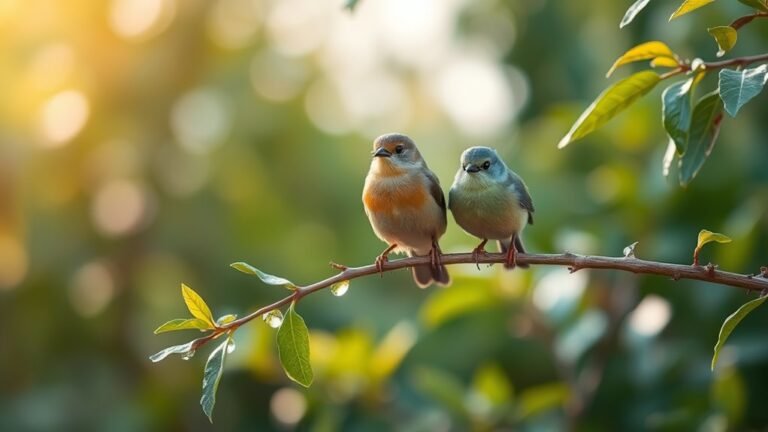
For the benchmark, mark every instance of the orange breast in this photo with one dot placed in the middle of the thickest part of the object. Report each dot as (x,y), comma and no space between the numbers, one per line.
(380,198)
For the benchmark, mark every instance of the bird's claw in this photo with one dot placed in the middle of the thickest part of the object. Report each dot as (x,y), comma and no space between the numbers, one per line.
(435,254)
(476,253)
(380,261)
(510,261)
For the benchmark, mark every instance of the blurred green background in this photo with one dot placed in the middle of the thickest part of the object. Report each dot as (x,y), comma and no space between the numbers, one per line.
(145,143)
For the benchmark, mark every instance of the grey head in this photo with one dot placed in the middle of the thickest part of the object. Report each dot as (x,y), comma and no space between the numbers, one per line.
(397,148)
(482,162)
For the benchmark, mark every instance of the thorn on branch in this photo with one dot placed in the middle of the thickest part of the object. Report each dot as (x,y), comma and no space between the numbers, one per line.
(341,267)
(569,254)
(711,269)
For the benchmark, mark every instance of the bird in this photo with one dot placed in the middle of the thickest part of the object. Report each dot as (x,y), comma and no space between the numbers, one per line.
(490,201)
(406,206)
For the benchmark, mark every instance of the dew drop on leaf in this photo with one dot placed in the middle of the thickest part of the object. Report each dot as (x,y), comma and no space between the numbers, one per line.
(340,288)
(230,346)
(273,318)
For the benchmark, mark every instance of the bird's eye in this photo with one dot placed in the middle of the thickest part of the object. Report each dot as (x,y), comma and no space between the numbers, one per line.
(399,149)
(486,165)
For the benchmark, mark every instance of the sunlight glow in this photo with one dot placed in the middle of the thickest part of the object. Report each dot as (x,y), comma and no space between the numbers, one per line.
(650,316)
(13,261)
(233,23)
(63,116)
(92,288)
(119,207)
(559,286)
(475,94)
(141,19)
(298,27)
(288,406)
(200,120)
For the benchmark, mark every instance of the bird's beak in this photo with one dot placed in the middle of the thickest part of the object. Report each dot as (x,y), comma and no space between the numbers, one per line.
(470,168)
(382,152)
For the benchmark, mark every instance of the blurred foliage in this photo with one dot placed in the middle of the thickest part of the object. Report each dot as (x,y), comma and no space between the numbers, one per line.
(148,142)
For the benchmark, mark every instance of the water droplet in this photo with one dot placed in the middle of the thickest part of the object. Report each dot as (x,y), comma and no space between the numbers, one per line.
(340,288)
(230,346)
(187,355)
(273,318)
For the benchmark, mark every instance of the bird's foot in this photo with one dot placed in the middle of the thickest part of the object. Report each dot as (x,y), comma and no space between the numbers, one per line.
(510,261)
(478,251)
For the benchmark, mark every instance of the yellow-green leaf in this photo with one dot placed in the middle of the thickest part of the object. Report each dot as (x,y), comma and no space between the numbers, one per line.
(265,277)
(664,62)
(293,348)
(226,319)
(706,236)
(731,322)
(644,51)
(611,102)
(196,305)
(184,324)
(689,6)
(725,36)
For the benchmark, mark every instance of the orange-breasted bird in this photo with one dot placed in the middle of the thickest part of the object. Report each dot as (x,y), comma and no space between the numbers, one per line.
(406,206)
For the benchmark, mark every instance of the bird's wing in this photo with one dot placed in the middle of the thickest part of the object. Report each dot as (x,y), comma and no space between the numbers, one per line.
(434,188)
(514,181)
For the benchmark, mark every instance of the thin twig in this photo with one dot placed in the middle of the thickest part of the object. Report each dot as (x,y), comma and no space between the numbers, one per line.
(572,261)
(746,19)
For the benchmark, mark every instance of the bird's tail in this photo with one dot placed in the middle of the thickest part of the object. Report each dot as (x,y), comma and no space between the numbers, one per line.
(504,247)
(425,274)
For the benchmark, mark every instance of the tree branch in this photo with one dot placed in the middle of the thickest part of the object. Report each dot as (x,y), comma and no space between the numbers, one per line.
(746,19)
(574,262)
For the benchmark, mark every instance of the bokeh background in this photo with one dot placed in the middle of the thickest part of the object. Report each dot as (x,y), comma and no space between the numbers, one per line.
(145,143)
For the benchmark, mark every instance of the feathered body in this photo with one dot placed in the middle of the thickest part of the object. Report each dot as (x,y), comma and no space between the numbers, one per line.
(405,204)
(490,201)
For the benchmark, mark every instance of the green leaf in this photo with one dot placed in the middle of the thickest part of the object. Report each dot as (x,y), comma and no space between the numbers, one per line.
(644,51)
(265,277)
(676,112)
(689,6)
(443,387)
(293,348)
(214,368)
(196,305)
(546,397)
(725,36)
(184,324)
(705,125)
(756,4)
(611,102)
(731,322)
(456,300)
(633,11)
(739,87)
(184,349)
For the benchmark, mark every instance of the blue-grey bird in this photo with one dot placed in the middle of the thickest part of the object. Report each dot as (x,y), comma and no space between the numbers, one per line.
(490,201)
